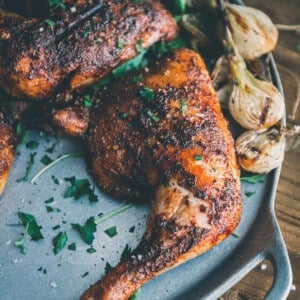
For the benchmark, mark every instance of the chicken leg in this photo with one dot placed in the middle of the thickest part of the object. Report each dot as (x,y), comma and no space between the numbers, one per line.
(165,138)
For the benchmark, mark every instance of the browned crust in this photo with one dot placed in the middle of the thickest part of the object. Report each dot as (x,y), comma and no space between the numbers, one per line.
(37,61)
(122,157)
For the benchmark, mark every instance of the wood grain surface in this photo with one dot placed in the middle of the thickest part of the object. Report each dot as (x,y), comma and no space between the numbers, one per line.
(287,56)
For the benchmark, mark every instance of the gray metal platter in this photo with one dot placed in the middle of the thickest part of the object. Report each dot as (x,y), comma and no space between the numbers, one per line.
(42,275)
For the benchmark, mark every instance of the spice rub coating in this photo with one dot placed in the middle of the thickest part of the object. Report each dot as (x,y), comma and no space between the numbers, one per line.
(161,136)
(77,45)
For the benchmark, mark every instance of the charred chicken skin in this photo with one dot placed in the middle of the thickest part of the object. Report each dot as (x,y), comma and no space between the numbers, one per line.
(165,139)
(77,45)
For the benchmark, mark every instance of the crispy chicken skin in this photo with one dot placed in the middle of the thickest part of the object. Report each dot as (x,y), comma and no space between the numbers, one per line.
(165,138)
(7,149)
(77,45)
(10,115)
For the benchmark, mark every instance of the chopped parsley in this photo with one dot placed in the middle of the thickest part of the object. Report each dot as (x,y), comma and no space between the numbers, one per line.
(135,294)
(50,200)
(249,194)
(107,268)
(60,3)
(122,115)
(29,168)
(137,78)
(52,209)
(91,250)
(59,242)
(183,106)
(131,229)
(111,232)
(85,274)
(50,23)
(254,178)
(198,157)
(139,47)
(80,188)
(235,235)
(180,6)
(152,116)
(126,254)
(135,63)
(147,93)
(31,228)
(86,33)
(87,100)
(55,180)
(32,145)
(72,247)
(52,148)
(55,227)
(120,44)
(21,133)
(87,230)
(46,160)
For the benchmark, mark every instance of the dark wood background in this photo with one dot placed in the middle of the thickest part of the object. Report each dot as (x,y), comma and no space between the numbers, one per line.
(287,55)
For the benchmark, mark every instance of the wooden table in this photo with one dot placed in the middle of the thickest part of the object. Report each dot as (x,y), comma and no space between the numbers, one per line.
(287,56)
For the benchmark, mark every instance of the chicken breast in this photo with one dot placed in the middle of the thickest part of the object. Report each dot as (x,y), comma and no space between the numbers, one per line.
(78,44)
(161,136)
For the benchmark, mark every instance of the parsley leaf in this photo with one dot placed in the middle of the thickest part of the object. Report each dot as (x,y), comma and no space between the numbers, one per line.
(135,294)
(198,157)
(50,23)
(31,228)
(183,106)
(249,194)
(131,229)
(52,148)
(87,231)
(107,268)
(32,145)
(254,178)
(91,250)
(147,93)
(80,188)
(87,100)
(72,247)
(126,254)
(60,3)
(111,232)
(48,201)
(59,242)
(120,44)
(152,116)
(46,160)
(28,168)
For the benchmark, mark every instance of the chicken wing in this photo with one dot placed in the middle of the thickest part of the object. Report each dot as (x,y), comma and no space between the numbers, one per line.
(164,138)
(78,44)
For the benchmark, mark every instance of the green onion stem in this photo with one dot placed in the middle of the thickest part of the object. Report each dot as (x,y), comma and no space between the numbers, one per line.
(113,213)
(68,155)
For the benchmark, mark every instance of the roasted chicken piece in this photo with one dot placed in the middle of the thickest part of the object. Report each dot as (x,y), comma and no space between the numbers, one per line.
(165,139)
(78,44)
(10,115)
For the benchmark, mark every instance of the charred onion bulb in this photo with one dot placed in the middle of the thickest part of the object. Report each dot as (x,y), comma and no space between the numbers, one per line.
(253,32)
(253,103)
(260,151)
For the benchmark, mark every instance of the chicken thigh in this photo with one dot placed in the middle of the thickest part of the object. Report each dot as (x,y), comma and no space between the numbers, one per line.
(161,136)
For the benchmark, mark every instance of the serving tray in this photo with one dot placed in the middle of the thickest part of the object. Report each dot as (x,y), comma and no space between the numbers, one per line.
(42,275)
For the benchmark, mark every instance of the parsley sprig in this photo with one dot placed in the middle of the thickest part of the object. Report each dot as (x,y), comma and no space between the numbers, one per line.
(31,228)
(53,163)
(87,230)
